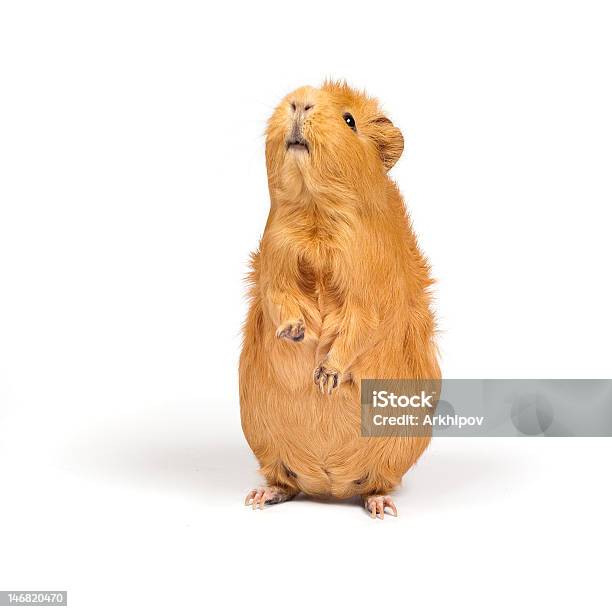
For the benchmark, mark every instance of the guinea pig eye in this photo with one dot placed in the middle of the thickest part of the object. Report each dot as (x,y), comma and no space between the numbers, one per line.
(350,121)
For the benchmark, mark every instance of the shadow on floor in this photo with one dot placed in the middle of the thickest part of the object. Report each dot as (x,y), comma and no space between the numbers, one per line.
(190,462)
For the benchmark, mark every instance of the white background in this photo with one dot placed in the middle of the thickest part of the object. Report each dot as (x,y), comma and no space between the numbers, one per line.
(132,188)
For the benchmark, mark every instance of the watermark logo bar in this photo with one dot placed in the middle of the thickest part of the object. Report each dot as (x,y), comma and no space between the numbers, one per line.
(33,598)
(486,407)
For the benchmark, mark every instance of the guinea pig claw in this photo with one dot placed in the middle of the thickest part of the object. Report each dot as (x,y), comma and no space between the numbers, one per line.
(376,505)
(257,501)
(393,507)
(255,497)
(326,379)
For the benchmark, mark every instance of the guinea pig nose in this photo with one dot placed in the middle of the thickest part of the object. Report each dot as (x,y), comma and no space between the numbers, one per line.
(301,107)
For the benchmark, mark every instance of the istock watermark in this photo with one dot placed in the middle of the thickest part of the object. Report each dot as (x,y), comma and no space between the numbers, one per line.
(486,407)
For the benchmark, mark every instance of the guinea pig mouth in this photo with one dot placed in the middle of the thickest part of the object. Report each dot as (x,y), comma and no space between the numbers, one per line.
(297,144)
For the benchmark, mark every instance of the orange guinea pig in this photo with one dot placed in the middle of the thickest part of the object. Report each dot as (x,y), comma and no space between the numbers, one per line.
(339,292)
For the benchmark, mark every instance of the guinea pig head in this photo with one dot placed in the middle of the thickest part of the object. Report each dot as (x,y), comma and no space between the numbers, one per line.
(329,138)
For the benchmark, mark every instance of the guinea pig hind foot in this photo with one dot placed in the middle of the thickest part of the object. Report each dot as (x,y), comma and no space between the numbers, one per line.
(262,496)
(376,504)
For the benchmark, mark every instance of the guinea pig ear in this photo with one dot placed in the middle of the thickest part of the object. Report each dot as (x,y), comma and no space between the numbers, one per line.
(389,140)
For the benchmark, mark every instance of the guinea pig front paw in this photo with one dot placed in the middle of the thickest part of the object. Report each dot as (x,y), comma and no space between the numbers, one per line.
(326,378)
(291,330)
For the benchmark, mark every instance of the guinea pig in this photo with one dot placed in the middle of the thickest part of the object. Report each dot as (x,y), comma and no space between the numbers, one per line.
(338,292)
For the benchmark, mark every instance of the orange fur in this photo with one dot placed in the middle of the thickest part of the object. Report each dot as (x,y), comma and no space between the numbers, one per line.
(338,259)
